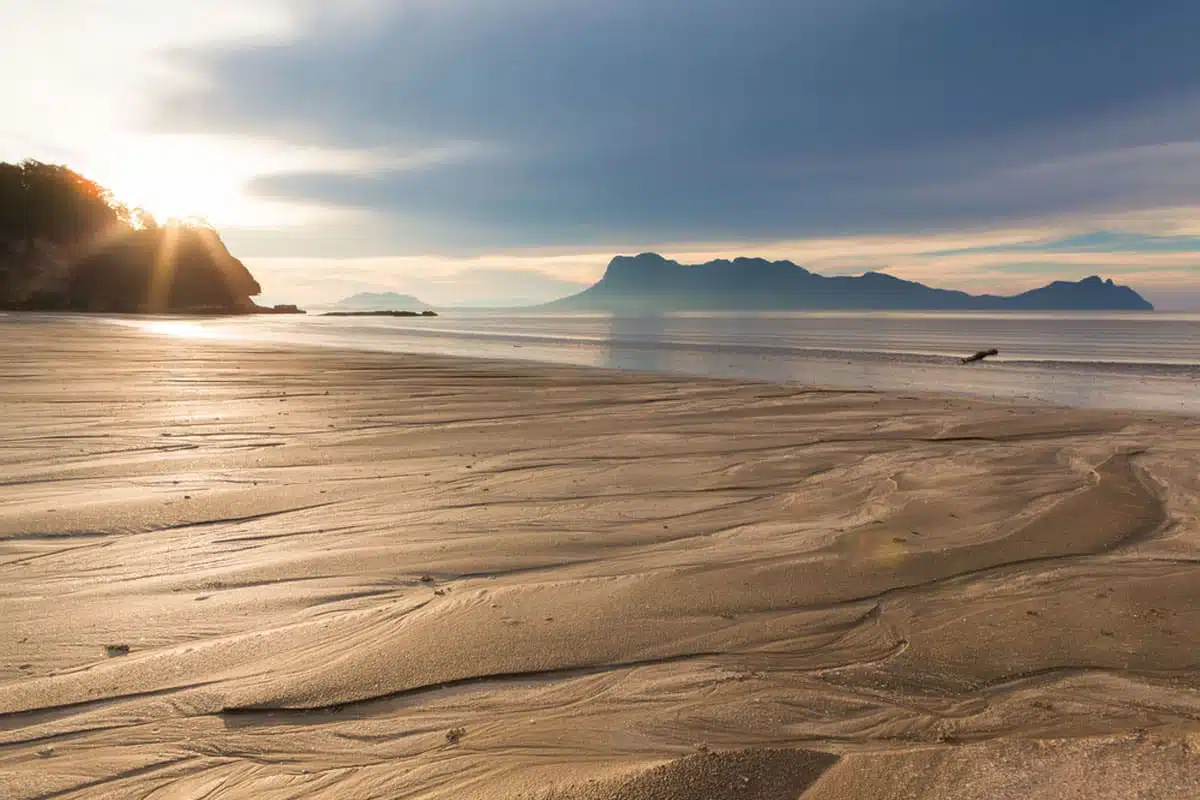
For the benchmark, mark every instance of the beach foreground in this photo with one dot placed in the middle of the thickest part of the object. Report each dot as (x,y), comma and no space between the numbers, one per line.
(251,571)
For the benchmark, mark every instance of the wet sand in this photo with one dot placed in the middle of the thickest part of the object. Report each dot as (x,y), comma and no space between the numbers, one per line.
(235,570)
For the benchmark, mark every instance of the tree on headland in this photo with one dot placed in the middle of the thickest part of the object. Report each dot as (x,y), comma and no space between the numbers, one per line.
(143,219)
(55,204)
(66,244)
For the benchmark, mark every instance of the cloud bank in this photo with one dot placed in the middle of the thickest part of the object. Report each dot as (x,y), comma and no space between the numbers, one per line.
(578,122)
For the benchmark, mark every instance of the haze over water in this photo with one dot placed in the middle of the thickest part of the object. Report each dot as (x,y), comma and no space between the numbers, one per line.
(1094,360)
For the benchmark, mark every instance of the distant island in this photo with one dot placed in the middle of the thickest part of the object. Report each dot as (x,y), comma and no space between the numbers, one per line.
(426,313)
(65,245)
(380,301)
(649,283)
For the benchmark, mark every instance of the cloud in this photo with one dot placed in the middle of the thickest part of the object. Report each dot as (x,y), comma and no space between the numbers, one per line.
(576,123)
(77,73)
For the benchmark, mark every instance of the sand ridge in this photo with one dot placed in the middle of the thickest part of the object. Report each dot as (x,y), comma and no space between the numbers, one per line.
(615,584)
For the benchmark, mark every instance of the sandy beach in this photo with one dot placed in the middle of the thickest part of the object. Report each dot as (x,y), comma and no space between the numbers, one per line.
(244,570)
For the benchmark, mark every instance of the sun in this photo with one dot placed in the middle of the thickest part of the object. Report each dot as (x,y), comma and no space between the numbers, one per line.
(166,196)
(182,178)
(205,177)
(170,179)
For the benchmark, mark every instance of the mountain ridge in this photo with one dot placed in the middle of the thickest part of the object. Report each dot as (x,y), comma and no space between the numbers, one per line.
(650,282)
(380,301)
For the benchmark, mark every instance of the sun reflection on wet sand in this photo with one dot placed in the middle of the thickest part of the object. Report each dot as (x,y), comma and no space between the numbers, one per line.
(182,330)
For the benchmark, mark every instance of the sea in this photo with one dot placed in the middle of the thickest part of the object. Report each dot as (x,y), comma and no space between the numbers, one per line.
(1128,360)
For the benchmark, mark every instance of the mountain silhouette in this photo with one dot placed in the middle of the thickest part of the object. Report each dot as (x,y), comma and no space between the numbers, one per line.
(649,283)
(380,301)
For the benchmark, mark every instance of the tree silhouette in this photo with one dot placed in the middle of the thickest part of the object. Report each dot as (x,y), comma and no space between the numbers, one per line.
(55,203)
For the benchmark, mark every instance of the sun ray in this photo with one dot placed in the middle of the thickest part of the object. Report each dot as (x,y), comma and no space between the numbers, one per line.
(107,237)
(162,275)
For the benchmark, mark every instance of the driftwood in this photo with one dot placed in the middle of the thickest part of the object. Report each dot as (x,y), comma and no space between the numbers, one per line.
(980,356)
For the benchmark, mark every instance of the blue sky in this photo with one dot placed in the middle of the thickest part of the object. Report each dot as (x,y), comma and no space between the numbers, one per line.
(473,150)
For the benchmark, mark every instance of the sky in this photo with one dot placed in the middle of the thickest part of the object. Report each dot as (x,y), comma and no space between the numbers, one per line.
(477,151)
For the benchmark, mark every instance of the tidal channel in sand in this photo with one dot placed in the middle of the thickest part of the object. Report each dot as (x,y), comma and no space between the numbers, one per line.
(250,570)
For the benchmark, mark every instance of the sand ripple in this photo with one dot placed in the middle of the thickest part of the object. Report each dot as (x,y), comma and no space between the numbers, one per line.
(236,571)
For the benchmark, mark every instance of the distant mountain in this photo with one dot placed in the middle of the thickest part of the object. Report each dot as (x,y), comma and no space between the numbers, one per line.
(649,282)
(380,301)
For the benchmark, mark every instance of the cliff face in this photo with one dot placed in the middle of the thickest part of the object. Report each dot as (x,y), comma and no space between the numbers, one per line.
(169,269)
(166,269)
(29,268)
(649,283)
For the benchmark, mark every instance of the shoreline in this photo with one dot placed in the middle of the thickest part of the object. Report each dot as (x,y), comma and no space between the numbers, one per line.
(501,362)
(353,574)
(1080,384)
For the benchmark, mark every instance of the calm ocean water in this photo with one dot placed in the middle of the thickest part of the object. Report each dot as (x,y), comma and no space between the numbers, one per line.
(1145,361)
